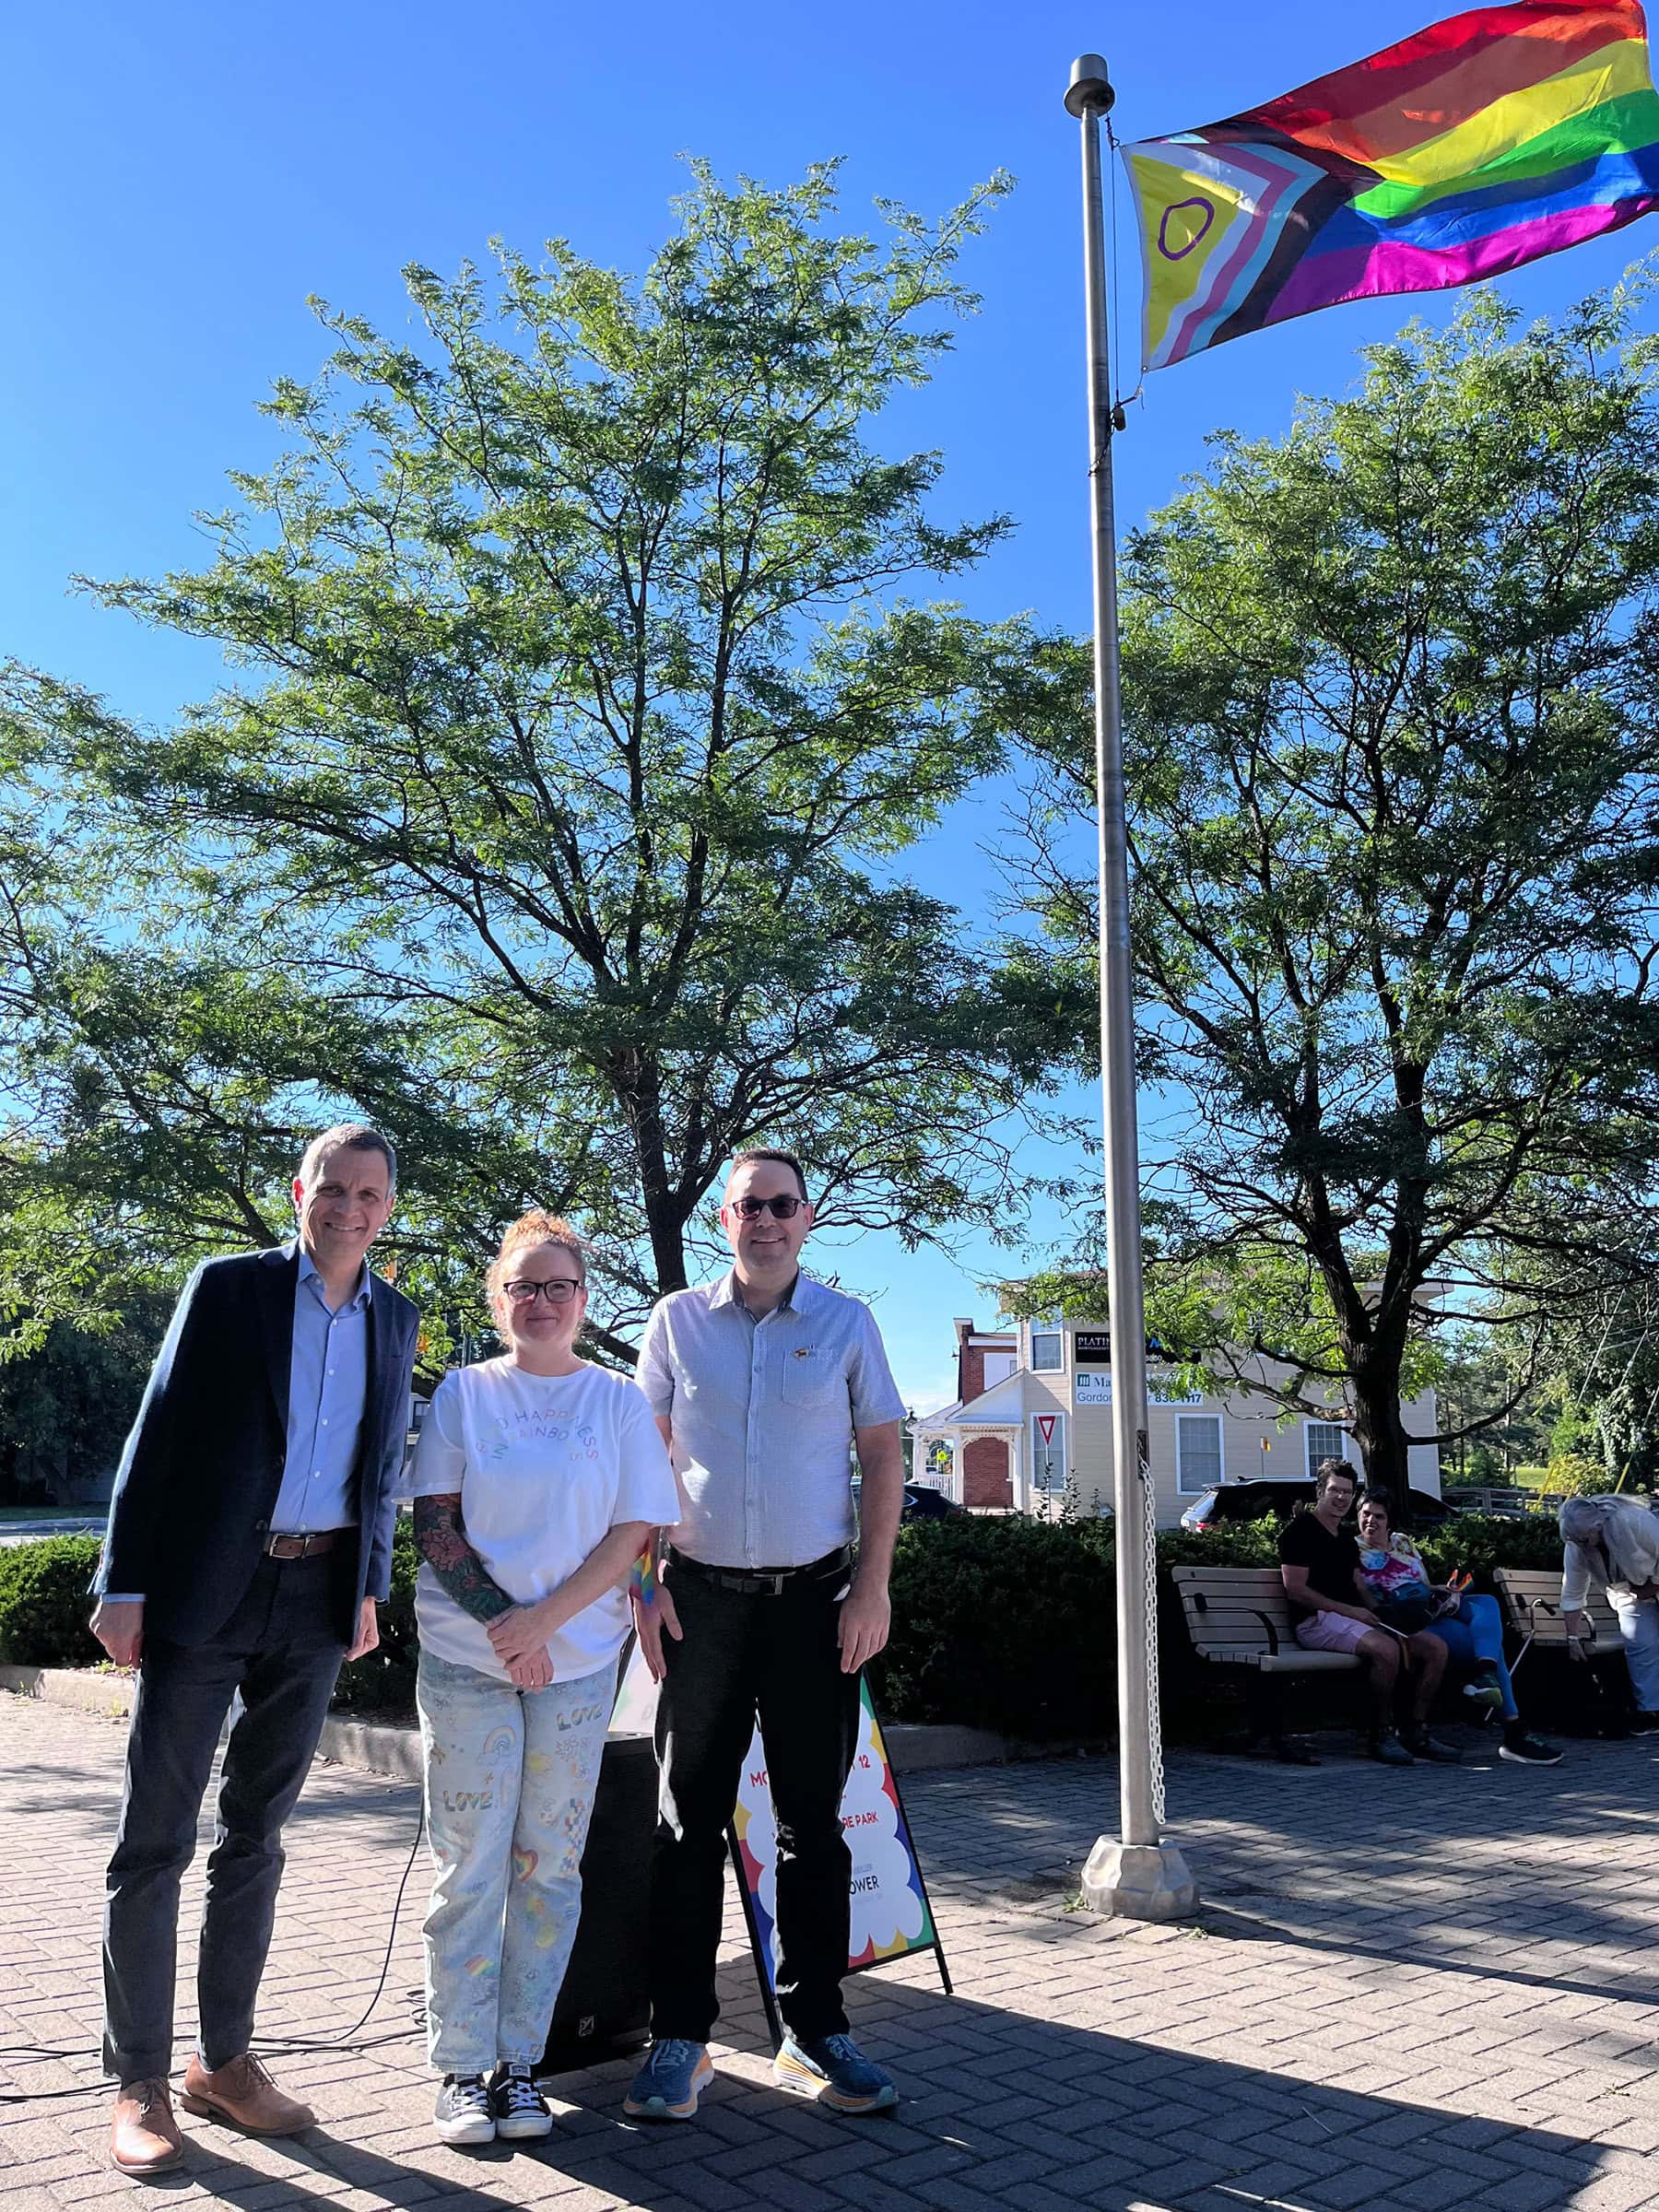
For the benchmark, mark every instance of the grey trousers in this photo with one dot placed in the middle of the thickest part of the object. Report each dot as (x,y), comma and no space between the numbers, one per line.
(281,1648)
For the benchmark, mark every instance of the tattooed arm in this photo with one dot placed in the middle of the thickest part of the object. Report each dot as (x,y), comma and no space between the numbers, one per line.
(441,1542)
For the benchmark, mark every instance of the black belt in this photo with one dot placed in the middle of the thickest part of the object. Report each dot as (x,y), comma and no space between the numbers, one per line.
(758,1582)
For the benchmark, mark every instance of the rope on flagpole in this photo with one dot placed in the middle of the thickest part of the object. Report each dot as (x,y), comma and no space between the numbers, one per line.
(1118,401)
(1154,1710)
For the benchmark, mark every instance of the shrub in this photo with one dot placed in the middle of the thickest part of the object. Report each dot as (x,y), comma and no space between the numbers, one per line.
(1481,1543)
(384,1681)
(1003,1623)
(44,1607)
(43,1603)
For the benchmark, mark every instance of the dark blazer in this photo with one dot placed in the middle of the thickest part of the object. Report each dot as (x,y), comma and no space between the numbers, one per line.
(199,1475)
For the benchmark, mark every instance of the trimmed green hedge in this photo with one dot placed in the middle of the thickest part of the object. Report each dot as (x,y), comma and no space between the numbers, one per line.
(43,1603)
(1005,1623)
(44,1606)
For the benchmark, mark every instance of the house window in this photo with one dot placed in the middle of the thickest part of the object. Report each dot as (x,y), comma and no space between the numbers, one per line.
(1048,1451)
(999,1366)
(1326,1440)
(1048,1351)
(1198,1452)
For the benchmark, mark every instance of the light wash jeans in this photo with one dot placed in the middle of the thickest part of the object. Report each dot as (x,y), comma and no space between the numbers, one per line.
(1638,1624)
(509,1783)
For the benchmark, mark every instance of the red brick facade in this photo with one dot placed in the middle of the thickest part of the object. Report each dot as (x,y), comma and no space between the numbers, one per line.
(985,1477)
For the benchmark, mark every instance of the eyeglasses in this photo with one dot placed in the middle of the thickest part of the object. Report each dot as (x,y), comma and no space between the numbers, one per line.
(557,1291)
(751,1209)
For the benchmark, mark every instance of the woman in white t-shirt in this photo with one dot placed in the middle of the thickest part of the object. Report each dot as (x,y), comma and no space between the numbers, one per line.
(536,1481)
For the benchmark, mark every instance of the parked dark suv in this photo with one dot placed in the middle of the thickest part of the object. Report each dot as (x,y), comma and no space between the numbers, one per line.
(1256,1500)
(922,1501)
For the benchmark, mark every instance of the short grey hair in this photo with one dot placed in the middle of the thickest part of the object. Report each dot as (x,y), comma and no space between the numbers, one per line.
(355,1137)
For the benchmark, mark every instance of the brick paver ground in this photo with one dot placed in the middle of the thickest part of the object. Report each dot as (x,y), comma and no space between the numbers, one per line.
(1425,1990)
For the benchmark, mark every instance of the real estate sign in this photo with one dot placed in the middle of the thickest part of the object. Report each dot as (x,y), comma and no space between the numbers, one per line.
(1096,1390)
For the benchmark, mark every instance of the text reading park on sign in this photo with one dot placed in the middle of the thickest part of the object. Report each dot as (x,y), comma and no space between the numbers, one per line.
(1096,1390)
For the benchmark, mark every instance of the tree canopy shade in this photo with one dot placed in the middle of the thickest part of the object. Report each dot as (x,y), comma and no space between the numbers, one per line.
(586,710)
(1391,688)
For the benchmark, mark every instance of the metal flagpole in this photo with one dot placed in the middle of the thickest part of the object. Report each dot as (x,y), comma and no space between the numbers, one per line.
(1138,1875)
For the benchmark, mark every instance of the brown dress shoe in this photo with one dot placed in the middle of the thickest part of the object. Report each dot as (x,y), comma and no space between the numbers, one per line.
(144,2135)
(243,2093)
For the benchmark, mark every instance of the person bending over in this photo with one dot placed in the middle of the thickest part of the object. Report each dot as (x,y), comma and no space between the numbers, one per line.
(1320,1563)
(1614,1541)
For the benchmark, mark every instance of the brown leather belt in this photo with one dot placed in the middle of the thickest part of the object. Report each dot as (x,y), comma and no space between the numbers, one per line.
(303,1547)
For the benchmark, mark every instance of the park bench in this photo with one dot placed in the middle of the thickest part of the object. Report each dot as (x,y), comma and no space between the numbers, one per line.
(1531,1598)
(1239,1616)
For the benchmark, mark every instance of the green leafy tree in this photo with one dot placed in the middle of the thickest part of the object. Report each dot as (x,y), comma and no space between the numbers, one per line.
(588,710)
(1392,698)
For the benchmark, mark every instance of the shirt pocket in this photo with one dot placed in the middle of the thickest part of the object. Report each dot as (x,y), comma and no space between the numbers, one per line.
(811,1378)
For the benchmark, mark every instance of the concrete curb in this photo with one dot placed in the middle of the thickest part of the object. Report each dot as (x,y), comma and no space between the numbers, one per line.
(377,1748)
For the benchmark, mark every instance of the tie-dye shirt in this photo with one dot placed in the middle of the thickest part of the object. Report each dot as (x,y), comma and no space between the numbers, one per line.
(1397,1571)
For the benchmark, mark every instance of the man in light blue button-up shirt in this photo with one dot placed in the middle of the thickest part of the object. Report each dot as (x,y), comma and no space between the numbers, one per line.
(763,1385)
(250,1537)
(328,1382)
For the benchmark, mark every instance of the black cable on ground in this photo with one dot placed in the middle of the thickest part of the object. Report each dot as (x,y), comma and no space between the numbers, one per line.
(39,2053)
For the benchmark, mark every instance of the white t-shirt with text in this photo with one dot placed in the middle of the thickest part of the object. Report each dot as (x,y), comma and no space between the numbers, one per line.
(546,1466)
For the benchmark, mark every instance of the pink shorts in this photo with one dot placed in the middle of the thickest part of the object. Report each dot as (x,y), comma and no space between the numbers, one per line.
(1331,1632)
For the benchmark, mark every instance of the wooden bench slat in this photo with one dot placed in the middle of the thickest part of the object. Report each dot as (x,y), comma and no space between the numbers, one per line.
(1235,1614)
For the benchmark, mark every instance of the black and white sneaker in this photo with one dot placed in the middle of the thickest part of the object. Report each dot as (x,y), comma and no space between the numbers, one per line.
(520,2112)
(464,2112)
(1528,1750)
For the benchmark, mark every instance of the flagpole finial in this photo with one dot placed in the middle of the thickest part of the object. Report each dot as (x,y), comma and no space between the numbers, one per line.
(1089,92)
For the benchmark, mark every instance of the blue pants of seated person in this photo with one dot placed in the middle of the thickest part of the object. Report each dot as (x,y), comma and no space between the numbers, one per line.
(1474,1635)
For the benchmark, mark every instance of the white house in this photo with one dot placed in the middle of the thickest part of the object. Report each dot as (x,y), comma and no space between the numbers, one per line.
(1033,1411)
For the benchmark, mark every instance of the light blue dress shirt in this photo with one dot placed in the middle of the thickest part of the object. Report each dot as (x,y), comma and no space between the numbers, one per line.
(328,1385)
(328,1382)
(762,1413)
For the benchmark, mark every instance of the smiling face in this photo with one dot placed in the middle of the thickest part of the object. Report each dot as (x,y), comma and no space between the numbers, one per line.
(342,1205)
(539,1331)
(768,1250)
(1336,1496)
(1373,1526)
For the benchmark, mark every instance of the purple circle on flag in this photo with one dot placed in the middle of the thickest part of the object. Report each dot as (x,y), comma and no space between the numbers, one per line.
(1180,252)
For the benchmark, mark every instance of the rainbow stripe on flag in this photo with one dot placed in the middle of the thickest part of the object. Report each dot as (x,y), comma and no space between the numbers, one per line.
(1478,145)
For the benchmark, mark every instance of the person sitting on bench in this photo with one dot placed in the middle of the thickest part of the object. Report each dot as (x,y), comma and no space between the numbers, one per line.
(1470,1624)
(1320,1563)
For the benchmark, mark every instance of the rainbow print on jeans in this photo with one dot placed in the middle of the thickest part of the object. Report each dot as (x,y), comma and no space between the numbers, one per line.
(1482,142)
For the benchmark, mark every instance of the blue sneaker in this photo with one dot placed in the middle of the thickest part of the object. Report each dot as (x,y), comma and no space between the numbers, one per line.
(668,2086)
(833,2069)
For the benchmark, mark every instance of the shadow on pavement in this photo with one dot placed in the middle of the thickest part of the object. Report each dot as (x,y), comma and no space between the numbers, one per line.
(1013,2108)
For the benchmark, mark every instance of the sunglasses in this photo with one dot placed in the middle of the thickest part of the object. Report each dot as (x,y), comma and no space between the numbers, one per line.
(751,1209)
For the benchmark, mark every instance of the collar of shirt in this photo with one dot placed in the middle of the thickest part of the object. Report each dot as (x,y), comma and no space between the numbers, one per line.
(308,1274)
(795,1299)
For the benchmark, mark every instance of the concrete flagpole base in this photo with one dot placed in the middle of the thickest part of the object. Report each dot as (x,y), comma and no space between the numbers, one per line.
(1138,1881)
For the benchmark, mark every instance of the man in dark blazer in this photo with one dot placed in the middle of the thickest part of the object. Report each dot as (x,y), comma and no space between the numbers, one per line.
(250,1535)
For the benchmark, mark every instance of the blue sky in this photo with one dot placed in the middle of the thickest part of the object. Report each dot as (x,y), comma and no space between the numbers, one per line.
(181,177)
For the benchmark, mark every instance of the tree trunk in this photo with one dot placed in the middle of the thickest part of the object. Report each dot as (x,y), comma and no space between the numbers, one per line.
(1381,1433)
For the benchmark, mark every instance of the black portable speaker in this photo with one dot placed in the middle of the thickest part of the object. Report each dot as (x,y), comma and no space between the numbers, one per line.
(603,2008)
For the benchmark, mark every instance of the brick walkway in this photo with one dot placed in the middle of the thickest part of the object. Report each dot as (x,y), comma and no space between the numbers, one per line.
(1428,1990)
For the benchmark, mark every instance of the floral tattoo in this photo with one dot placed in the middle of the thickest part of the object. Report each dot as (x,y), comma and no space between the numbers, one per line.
(441,1541)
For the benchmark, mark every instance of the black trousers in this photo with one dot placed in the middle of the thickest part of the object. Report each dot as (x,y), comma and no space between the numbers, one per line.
(281,1648)
(743,1655)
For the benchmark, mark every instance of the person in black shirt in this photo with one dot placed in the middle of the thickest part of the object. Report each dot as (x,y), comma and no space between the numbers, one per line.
(1320,1563)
